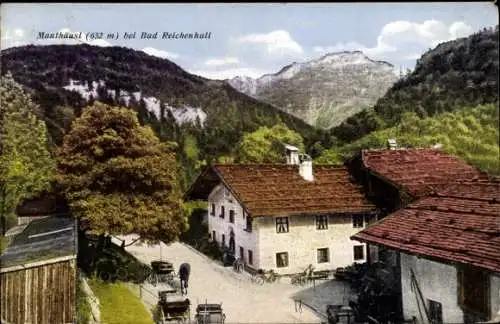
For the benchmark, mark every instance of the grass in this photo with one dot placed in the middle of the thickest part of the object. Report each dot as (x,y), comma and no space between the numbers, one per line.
(83,310)
(119,305)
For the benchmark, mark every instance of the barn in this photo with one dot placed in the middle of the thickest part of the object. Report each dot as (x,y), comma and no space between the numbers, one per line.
(38,273)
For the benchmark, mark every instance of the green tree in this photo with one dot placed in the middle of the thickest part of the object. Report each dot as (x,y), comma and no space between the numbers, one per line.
(26,166)
(265,145)
(119,178)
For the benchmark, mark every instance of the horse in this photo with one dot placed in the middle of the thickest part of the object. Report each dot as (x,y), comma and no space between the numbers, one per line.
(184,271)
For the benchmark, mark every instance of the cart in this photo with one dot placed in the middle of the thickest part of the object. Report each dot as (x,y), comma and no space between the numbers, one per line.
(209,314)
(173,307)
(162,271)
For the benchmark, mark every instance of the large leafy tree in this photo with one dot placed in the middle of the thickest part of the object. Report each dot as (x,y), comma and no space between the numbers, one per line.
(26,165)
(265,145)
(119,178)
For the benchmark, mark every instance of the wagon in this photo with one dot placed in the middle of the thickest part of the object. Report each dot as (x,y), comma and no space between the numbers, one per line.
(209,314)
(162,271)
(173,307)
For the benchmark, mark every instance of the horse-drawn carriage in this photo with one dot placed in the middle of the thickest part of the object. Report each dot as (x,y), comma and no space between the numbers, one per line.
(162,271)
(173,307)
(209,314)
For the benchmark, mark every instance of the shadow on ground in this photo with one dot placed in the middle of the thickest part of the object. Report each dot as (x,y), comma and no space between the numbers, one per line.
(331,292)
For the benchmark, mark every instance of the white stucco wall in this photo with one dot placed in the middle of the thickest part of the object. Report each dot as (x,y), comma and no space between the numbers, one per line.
(437,281)
(303,240)
(222,226)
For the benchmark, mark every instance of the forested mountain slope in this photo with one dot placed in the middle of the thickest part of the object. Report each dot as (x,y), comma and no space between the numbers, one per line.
(455,74)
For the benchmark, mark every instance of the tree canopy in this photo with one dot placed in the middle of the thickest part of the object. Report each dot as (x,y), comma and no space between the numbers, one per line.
(26,166)
(265,145)
(119,178)
(471,133)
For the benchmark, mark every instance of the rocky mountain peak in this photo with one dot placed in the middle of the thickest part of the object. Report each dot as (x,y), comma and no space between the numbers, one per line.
(323,91)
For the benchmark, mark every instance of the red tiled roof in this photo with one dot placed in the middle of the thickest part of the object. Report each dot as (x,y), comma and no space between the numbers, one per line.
(460,223)
(418,170)
(279,190)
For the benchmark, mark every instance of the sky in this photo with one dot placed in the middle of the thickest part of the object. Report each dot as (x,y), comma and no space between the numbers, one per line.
(252,39)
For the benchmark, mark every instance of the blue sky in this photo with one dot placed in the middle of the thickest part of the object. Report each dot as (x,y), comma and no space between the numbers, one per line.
(253,39)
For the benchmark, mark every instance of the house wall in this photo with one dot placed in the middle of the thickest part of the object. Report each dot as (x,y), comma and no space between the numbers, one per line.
(437,281)
(303,240)
(247,240)
(22,220)
(495,295)
(39,295)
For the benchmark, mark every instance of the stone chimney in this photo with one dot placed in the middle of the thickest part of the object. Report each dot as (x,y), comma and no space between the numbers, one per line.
(305,168)
(392,144)
(292,155)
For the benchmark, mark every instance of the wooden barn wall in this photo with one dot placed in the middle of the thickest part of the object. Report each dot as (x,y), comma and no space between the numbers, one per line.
(39,295)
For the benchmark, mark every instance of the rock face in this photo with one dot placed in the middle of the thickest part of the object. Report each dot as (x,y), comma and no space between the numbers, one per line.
(323,92)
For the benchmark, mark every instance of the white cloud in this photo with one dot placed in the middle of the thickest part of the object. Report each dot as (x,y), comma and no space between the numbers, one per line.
(222,74)
(276,42)
(404,39)
(160,53)
(12,39)
(222,61)
(460,29)
(19,32)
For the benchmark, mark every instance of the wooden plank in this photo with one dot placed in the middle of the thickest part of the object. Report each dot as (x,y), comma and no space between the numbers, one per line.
(22,295)
(39,294)
(34,289)
(72,289)
(3,292)
(49,293)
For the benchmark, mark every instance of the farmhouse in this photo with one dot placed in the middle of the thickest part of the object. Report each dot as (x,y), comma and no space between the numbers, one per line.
(38,273)
(449,253)
(395,177)
(285,216)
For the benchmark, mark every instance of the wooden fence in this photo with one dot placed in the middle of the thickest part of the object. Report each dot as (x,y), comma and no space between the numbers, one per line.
(40,293)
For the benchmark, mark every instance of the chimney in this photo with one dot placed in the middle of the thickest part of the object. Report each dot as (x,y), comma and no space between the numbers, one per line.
(392,144)
(305,168)
(292,155)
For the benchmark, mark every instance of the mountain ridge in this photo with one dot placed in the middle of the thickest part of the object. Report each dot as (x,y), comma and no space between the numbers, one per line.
(317,81)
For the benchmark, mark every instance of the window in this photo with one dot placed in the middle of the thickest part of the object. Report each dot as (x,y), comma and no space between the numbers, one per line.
(282,259)
(435,312)
(359,252)
(213,236)
(282,225)
(357,221)
(323,255)
(242,253)
(222,212)
(249,224)
(223,240)
(322,222)
(213,210)
(250,257)
(231,216)
(473,294)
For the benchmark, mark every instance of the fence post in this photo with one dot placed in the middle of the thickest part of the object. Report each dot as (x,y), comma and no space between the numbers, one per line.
(140,291)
